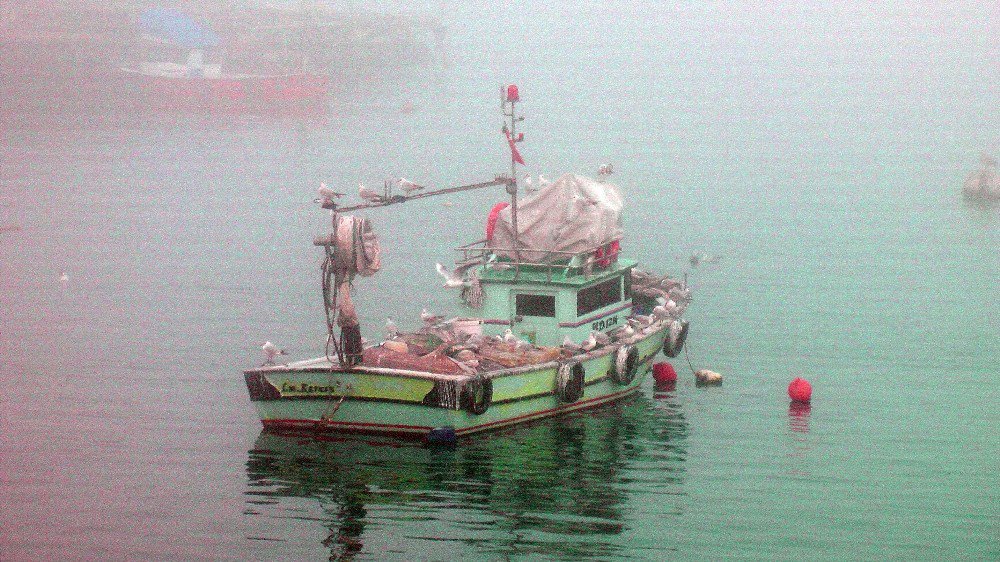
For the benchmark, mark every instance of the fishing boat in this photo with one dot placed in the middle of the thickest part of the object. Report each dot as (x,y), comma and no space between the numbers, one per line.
(555,319)
(196,83)
(984,183)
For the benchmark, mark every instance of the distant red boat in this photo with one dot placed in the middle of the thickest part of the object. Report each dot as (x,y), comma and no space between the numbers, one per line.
(171,85)
(196,85)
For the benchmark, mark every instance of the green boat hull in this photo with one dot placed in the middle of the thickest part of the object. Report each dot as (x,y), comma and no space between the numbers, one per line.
(312,395)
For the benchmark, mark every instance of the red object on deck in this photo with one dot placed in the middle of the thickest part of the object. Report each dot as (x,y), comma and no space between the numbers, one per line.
(664,373)
(799,390)
(512,94)
(491,221)
(608,254)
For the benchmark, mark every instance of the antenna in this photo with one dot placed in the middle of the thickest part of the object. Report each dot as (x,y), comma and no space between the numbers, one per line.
(509,97)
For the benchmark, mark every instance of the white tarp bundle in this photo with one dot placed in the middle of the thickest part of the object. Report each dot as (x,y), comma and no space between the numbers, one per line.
(572,214)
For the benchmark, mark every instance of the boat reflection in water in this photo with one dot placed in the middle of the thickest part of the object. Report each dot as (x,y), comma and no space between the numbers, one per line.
(556,488)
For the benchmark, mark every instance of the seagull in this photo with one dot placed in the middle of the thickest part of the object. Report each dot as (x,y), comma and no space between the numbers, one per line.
(492,264)
(408,186)
(589,343)
(644,320)
(570,346)
(626,331)
(64,278)
(454,279)
(390,328)
(601,337)
(528,188)
(665,310)
(367,194)
(509,337)
(679,294)
(270,352)
(542,182)
(604,171)
(428,318)
(327,193)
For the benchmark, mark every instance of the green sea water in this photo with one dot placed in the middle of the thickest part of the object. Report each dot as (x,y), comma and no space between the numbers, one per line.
(819,150)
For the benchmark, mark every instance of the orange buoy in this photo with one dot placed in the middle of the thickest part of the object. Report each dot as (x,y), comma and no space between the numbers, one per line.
(799,390)
(664,373)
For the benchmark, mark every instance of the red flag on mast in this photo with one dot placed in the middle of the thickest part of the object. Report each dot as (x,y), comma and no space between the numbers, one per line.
(513,148)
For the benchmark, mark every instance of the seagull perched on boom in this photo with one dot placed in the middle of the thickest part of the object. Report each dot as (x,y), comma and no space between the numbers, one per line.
(589,343)
(408,186)
(367,194)
(327,193)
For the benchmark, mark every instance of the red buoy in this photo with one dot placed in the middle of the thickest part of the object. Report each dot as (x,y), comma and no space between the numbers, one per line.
(799,390)
(664,373)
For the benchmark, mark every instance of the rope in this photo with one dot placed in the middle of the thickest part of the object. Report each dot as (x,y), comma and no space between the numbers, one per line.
(688,357)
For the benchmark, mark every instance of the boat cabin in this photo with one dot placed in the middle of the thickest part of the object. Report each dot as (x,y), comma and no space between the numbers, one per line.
(542,304)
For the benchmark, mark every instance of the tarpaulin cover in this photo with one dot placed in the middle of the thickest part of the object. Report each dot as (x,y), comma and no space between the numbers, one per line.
(572,214)
(178,28)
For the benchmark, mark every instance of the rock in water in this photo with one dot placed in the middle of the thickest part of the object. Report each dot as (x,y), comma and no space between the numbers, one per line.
(706,377)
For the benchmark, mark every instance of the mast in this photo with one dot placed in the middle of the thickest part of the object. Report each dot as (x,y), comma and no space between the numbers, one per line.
(509,95)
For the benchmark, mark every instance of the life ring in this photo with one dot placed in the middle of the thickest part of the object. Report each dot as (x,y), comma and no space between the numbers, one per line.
(626,364)
(491,220)
(674,342)
(477,395)
(569,382)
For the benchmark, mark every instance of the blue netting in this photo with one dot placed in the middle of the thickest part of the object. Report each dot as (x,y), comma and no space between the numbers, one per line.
(178,28)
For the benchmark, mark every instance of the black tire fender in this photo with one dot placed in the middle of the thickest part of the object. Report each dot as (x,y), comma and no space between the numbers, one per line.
(673,343)
(569,381)
(625,365)
(477,395)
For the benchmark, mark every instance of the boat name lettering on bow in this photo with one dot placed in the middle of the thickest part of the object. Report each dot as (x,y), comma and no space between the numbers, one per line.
(306,388)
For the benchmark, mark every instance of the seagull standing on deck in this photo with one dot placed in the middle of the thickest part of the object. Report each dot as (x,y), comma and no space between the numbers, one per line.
(509,337)
(408,186)
(601,337)
(270,352)
(367,194)
(428,318)
(570,346)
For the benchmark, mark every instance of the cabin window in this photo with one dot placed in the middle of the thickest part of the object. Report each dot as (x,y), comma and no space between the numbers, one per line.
(599,296)
(535,305)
